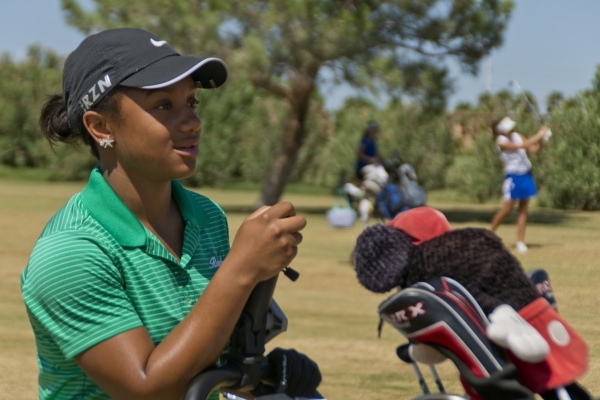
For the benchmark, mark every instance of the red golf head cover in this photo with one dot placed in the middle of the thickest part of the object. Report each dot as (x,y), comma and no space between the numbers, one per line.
(568,356)
(421,224)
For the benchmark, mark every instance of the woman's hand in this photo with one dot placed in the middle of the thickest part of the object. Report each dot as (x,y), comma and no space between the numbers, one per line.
(542,131)
(531,144)
(266,242)
(546,133)
(534,144)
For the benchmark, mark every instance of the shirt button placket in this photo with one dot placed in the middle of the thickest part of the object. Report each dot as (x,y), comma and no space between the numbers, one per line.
(185,289)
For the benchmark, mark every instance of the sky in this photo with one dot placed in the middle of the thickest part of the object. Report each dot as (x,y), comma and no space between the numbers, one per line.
(548,45)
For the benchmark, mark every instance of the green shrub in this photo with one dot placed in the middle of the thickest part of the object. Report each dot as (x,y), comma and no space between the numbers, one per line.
(24,86)
(478,175)
(571,170)
(422,139)
(240,131)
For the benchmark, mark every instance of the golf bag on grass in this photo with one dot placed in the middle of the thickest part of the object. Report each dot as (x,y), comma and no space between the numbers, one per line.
(341,215)
(243,366)
(400,195)
(442,316)
(386,190)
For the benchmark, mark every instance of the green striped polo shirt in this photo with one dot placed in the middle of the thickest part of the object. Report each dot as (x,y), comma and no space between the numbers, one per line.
(96,271)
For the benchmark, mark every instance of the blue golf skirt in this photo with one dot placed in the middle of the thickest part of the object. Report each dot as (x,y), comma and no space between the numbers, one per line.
(518,187)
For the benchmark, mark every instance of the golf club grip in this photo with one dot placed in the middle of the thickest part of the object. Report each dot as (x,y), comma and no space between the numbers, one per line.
(259,301)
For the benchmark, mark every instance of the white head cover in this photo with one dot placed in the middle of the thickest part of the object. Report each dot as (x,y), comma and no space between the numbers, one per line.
(506,125)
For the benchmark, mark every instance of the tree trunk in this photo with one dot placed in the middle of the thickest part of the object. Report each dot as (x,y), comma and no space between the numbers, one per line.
(293,138)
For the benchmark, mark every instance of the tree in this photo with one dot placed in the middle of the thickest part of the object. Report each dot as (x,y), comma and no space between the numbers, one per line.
(283,46)
(571,172)
(23,89)
(477,173)
(554,100)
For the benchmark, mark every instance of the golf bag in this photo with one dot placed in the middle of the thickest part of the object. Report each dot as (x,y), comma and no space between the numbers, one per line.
(386,190)
(341,215)
(442,314)
(242,365)
(401,194)
(413,194)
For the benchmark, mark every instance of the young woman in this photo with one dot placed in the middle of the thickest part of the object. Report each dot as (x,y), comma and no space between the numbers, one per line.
(367,149)
(519,184)
(132,288)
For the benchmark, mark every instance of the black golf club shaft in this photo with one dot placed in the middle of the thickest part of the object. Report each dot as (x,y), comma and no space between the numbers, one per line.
(437,379)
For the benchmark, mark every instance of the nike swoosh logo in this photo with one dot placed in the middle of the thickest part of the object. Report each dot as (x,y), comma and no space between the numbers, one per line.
(158,43)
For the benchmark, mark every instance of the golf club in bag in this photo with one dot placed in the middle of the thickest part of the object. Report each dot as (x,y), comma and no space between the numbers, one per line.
(442,315)
(243,366)
(403,353)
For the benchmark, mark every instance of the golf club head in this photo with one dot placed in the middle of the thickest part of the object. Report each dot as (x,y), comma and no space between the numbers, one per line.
(403,354)
(541,281)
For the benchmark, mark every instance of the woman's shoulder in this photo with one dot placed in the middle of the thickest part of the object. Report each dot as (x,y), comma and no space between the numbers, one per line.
(201,200)
(71,236)
(206,205)
(73,220)
(517,137)
(501,139)
(66,252)
(70,218)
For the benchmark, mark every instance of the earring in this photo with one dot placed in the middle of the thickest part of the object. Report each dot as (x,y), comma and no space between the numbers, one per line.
(106,142)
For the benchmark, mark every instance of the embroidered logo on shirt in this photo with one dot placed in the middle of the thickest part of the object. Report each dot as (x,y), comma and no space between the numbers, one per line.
(216,260)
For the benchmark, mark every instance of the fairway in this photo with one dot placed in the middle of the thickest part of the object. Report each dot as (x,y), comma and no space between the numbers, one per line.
(331,317)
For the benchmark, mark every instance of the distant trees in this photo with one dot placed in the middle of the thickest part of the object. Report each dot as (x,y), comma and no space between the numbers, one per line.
(23,87)
(282,47)
(571,171)
(421,138)
(259,118)
(567,171)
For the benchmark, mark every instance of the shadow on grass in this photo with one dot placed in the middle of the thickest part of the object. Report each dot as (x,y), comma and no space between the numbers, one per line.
(243,209)
(456,215)
(537,216)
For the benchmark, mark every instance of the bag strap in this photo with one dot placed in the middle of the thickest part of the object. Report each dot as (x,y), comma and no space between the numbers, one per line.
(341,196)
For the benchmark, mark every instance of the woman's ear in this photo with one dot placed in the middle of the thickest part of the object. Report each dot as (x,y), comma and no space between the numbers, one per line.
(97,125)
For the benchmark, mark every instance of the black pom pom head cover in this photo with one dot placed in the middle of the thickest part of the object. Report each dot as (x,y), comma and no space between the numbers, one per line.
(380,257)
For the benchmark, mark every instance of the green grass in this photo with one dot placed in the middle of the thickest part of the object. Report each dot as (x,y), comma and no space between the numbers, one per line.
(331,317)
(24,174)
(292,188)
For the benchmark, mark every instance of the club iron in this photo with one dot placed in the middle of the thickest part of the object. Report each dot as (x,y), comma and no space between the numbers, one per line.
(529,105)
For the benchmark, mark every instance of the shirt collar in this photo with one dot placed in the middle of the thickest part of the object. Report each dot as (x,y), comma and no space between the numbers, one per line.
(195,217)
(110,211)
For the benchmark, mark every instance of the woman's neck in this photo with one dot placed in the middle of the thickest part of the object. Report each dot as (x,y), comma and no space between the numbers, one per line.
(149,200)
(153,204)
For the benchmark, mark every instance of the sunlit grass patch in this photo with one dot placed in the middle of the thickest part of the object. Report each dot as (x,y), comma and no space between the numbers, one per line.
(331,317)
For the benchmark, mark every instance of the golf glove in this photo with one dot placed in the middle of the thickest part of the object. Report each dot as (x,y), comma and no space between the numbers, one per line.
(295,374)
(547,136)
